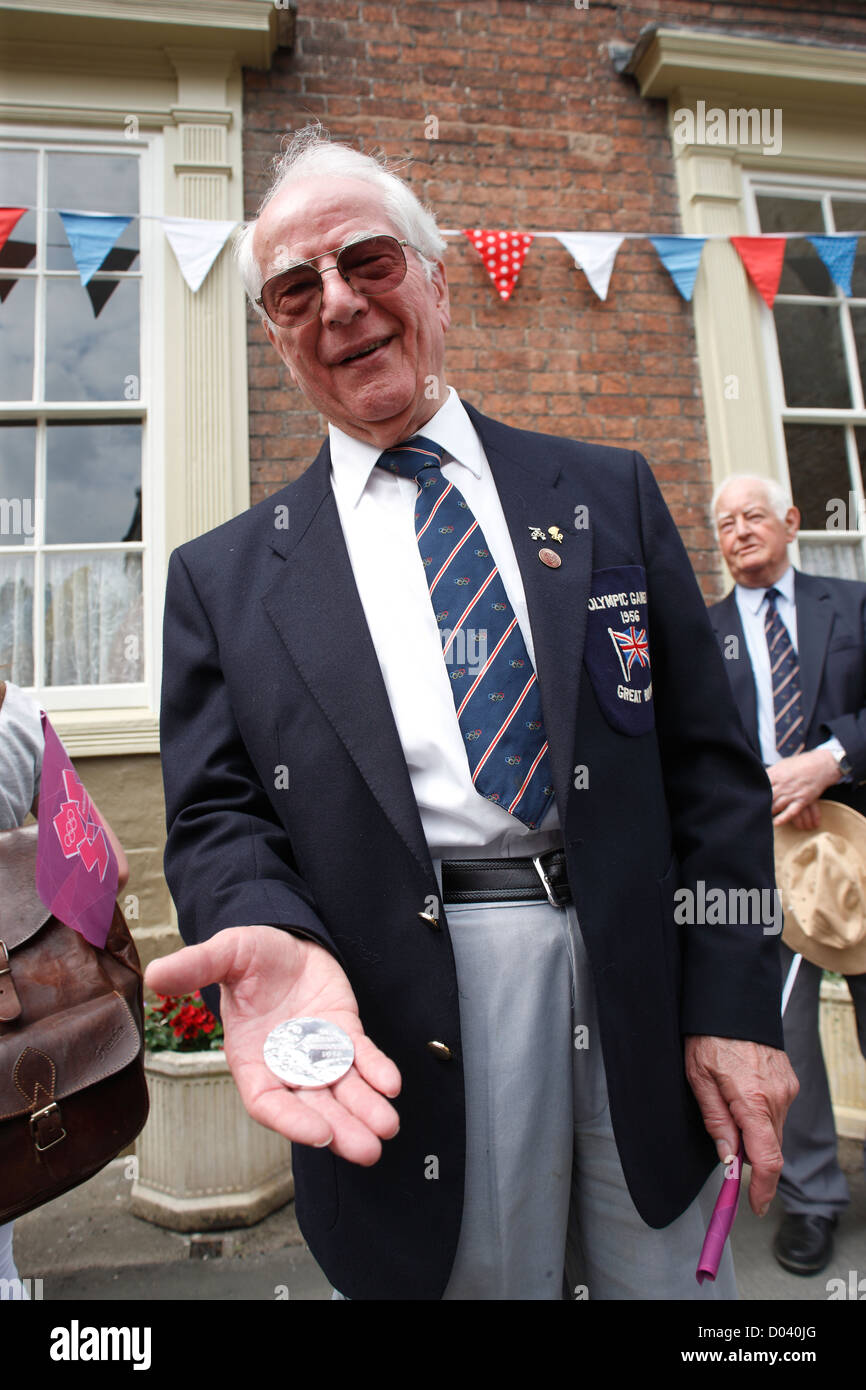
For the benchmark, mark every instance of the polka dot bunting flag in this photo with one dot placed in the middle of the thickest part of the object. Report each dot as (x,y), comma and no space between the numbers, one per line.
(503,253)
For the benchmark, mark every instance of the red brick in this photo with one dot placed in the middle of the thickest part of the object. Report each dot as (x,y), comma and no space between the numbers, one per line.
(536,130)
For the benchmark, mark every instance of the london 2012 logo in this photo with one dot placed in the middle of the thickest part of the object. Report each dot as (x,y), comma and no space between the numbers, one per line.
(78,829)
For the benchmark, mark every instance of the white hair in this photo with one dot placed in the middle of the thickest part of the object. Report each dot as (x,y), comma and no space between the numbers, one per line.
(310,154)
(777,496)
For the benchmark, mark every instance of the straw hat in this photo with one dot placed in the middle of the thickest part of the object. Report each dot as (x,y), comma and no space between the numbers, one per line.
(822,879)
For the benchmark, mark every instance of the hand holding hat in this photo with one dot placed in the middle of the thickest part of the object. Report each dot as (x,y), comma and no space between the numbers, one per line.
(822,880)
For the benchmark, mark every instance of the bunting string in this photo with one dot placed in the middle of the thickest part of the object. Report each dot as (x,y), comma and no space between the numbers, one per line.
(197,242)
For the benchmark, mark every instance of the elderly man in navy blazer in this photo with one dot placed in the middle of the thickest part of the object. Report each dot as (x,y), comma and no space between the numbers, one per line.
(804,713)
(445,731)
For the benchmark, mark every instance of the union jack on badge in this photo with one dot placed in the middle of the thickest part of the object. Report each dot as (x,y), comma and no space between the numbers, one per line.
(630,646)
(617,648)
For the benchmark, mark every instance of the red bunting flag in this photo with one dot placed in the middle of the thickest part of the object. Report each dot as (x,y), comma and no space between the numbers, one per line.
(503,253)
(762,256)
(8,218)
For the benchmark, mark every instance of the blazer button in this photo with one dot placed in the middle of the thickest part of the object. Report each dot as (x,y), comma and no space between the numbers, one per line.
(439,1050)
(432,922)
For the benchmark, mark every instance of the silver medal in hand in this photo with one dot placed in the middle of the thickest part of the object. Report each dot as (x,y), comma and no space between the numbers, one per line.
(308,1052)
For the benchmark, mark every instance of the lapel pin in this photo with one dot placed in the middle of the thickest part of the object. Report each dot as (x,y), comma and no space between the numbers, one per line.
(537,534)
(555,534)
(549,558)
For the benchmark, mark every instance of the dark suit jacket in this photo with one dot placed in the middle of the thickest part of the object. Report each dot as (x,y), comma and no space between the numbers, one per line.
(831,640)
(269,663)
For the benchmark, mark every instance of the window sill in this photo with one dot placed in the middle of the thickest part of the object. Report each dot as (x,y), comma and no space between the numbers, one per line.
(105,733)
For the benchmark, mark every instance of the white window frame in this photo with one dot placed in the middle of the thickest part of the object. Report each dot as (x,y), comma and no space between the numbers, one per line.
(148,409)
(806,185)
(171,70)
(819,89)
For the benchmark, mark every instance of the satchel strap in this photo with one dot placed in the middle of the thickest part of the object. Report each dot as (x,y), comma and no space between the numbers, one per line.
(22,911)
(2,692)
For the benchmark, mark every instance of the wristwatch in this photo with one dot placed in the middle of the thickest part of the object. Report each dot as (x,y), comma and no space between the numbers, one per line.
(842,762)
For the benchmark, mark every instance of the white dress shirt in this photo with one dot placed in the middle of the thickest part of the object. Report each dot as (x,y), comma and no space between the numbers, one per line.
(752,605)
(376,510)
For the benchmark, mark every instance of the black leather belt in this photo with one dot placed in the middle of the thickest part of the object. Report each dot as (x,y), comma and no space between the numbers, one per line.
(542,878)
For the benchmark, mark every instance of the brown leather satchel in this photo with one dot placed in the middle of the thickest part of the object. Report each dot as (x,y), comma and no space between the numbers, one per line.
(72,1087)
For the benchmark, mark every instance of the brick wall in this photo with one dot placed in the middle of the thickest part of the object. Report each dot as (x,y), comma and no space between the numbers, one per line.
(535,130)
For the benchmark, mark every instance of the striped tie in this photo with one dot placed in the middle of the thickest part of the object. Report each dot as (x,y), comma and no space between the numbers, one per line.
(785,675)
(494,687)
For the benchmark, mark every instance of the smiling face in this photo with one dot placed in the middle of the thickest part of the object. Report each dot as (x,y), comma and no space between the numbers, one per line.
(753,539)
(365,363)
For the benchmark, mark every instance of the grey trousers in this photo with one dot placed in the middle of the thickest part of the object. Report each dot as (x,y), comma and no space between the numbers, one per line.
(547,1214)
(812,1183)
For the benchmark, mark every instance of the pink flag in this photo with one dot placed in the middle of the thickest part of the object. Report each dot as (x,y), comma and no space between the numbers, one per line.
(76,868)
(721,1220)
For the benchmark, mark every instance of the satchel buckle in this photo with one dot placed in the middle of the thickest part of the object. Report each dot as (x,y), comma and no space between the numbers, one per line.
(42,1115)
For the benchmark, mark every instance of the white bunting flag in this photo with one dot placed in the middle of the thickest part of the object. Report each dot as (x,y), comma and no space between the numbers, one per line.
(594,253)
(196,241)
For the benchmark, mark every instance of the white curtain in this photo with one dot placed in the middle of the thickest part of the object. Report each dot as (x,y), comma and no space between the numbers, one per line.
(834,560)
(16,618)
(93,630)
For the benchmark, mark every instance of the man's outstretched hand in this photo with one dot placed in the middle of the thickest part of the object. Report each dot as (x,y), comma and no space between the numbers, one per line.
(268,975)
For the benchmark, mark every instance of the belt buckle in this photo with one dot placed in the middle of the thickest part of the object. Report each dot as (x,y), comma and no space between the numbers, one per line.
(545,882)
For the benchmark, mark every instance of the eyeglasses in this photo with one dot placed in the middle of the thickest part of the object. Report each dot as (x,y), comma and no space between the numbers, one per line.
(372,266)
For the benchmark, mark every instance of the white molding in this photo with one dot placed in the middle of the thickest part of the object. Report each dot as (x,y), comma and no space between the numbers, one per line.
(247,29)
(98,58)
(727,316)
(239,15)
(82,410)
(184,168)
(183,114)
(673,59)
(93,733)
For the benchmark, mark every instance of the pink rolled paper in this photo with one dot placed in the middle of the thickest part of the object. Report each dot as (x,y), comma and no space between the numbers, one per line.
(76,868)
(721,1221)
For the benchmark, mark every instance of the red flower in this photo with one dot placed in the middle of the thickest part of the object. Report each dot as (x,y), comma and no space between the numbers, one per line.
(188,1018)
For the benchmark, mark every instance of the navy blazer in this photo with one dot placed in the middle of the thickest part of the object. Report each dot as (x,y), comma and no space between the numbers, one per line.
(269,665)
(831,640)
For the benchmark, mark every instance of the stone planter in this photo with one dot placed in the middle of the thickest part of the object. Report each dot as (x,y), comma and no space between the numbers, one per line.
(203,1164)
(846,1068)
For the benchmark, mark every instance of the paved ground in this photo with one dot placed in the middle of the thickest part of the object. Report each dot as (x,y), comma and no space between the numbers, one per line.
(88,1246)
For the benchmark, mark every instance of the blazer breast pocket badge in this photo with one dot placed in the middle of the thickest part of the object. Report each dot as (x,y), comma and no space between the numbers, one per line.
(617,649)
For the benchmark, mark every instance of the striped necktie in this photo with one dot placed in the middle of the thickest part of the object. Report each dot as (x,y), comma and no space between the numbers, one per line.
(785,675)
(496,696)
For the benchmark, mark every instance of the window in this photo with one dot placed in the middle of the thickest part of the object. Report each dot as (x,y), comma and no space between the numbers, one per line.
(820,351)
(73,476)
